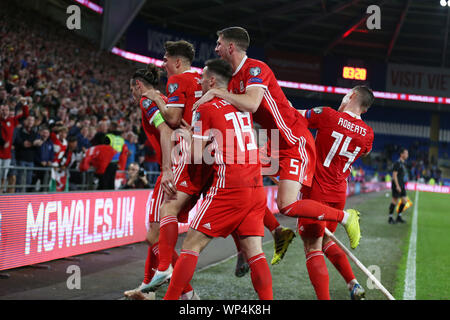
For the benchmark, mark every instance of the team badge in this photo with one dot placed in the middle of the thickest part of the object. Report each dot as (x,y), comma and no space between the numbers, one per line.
(146,103)
(255,71)
(242,85)
(173,87)
(317,110)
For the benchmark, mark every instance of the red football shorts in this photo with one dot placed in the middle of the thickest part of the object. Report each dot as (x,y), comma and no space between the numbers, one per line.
(226,210)
(297,162)
(156,202)
(193,178)
(311,228)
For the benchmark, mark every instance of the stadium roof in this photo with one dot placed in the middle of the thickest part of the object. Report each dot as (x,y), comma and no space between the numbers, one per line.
(412,31)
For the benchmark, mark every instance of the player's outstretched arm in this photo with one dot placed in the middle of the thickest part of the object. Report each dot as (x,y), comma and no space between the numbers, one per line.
(172,116)
(246,102)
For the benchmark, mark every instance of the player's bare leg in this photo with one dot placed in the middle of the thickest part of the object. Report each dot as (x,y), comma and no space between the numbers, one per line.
(339,259)
(289,205)
(168,236)
(260,273)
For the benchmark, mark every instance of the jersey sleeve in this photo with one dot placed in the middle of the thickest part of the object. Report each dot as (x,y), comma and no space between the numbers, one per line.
(202,123)
(176,91)
(317,116)
(258,75)
(151,112)
(369,142)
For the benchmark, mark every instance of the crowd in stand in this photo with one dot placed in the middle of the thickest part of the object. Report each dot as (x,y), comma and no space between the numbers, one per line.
(58,95)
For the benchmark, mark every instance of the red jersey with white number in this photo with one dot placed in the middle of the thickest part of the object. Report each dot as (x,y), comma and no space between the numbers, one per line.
(275,112)
(342,137)
(150,113)
(233,144)
(183,90)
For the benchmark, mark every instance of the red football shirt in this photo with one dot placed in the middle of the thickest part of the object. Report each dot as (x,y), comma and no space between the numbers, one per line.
(341,138)
(275,112)
(150,122)
(7,130)
(233,145)
(183,90)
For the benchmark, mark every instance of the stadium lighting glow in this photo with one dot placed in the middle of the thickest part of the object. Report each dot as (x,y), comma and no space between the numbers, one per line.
(91,5)
(445,3)
(303,86)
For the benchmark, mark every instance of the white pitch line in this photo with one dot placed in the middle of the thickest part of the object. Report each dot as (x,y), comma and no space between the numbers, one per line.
(409,292)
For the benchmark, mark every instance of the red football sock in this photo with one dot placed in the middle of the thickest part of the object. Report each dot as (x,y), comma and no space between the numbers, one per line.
(270,222)
(261,276)
(339,259)
(182,274)
(168,236)
(151,263)
(188,287)
(318,274)
(312,209)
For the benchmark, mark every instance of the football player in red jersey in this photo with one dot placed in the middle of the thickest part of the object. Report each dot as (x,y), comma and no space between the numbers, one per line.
(236,200)
(255,89)
(342,137)
(183,89)
(154,125)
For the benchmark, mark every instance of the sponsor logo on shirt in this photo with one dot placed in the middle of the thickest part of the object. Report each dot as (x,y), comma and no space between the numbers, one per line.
(255,80)
(172,87)
(255,71)
(146,103)
(173,99)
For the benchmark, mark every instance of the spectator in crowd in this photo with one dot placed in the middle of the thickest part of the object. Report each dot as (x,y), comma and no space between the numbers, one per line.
(26,144)
(8,123)
(131,142)
(100,158)
(44,156)
(136,177)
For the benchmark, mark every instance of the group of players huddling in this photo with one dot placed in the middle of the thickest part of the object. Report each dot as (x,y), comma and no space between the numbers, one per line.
(215,153)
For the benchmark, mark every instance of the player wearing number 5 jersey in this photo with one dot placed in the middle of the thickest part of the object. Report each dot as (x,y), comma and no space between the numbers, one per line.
(255,89)
(341,138)
(236,201)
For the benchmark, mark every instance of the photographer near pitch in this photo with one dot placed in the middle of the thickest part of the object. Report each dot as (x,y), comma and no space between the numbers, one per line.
(136,177)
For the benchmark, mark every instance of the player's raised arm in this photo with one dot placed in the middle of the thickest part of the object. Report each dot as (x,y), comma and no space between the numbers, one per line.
(172,116)
(247,102)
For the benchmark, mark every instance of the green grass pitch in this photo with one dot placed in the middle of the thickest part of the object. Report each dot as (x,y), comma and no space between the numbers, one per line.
(383,249)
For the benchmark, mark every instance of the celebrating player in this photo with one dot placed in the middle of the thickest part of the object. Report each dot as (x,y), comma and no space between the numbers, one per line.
(236,200)
(183,89)
(255,89)
(341,138)
(154,125)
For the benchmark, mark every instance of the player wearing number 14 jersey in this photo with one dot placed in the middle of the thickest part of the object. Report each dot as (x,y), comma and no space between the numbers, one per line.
(341,138)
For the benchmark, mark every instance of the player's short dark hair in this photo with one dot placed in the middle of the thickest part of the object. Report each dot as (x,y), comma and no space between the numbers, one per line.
(403,150)
(365,96)
(237,35)
(149,75)
(220,68)
(180,48)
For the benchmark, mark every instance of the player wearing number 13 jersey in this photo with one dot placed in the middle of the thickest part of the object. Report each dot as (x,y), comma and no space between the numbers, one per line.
(342,137)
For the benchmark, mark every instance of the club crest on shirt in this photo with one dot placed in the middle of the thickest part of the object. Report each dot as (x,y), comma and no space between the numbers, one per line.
(317,110)
(172,87)
(146,103)
(241,85)
(255,71)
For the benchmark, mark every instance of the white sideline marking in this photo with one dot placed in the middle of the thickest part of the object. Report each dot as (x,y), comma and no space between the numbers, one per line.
(409,293)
